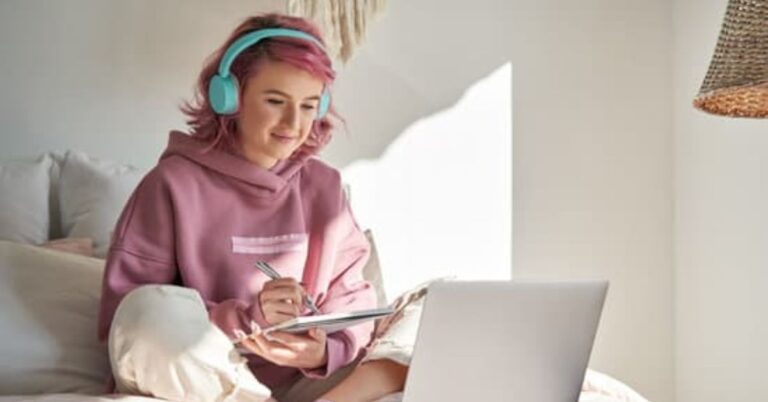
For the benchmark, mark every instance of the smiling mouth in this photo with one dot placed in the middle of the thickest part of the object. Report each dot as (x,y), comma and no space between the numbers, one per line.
(284,138)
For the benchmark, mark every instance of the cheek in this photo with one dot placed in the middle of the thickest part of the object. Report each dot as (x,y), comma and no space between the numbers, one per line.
(255,119)
(306,129)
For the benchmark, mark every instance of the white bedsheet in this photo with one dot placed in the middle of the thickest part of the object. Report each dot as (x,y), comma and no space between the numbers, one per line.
(75,398)
(598,387)
(585,397)
(114,398)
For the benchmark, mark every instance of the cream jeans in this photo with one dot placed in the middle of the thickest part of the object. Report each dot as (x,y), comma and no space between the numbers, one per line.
(162,344)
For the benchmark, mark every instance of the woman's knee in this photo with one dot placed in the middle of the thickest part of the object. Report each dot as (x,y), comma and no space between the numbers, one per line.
(162,343)
(158,319)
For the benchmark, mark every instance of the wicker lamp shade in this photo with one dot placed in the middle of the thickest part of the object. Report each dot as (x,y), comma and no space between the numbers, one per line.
(736,83)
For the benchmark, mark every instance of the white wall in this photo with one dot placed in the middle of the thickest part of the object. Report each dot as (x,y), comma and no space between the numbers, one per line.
(439,199)
(104,77)
(592,121)
(721,230)
(592,143)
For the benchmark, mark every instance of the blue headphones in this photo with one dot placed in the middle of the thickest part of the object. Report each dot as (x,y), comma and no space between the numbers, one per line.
(223,92)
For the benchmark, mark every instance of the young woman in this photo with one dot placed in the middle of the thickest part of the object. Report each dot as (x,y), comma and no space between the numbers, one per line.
(180,287)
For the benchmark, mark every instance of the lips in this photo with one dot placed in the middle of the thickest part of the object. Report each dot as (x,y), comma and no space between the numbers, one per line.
(283,137)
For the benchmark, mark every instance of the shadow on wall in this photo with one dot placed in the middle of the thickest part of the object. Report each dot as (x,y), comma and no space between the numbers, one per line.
(428,150)
(409,69)
(439,199)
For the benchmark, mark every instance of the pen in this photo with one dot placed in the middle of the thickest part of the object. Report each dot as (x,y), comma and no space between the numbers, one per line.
(272,273)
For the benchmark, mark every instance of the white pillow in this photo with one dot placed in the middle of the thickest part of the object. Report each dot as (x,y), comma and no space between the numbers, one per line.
(57,159)
(372,271)
(24,190)
(49,303)
(92,193)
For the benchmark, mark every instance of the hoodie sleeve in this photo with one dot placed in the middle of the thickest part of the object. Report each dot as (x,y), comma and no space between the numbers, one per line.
(233,314)
(348,291)
(143,252)
(142,247)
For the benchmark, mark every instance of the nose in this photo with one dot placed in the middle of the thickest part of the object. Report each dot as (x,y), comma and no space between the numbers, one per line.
(291,117)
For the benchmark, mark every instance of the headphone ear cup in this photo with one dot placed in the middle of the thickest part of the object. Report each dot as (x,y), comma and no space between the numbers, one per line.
(223,94)
(324,105)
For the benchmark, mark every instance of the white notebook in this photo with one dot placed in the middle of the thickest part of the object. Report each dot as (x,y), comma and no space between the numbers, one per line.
(332,322)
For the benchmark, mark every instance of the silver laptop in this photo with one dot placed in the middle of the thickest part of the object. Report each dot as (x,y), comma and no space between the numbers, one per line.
(504,341)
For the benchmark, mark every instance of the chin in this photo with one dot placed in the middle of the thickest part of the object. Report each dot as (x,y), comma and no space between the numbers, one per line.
(282,155)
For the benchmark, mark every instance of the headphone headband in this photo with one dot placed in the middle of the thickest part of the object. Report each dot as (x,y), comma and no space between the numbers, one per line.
(254,37)
(223,91)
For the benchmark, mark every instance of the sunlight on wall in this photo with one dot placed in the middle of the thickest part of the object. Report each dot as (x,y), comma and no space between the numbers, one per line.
(439,200)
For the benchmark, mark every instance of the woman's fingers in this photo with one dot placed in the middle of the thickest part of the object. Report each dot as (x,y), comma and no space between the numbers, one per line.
(274,351)
(294,350)
(276,312)
(277,307)
(318,334)
(296,342)
(281,300)
(293,294)
(252,346)
(282,283)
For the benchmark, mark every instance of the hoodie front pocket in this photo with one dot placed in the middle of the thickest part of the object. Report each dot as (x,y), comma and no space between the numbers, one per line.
(295,242)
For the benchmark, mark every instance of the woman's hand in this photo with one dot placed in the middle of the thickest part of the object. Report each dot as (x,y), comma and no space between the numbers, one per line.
(291,350)
(281,300)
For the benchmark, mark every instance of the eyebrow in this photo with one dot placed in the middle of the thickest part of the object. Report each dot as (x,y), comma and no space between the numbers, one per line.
(278,92)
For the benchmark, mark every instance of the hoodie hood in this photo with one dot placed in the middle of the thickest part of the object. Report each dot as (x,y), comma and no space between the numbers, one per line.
(272,180)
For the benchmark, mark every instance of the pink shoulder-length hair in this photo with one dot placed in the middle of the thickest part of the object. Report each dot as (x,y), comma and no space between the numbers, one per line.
(220,131)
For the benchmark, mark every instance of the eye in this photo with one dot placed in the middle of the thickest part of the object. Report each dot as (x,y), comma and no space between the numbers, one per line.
(274,101)
(308,107)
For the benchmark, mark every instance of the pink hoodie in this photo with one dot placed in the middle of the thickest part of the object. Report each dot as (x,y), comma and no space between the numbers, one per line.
(201,219)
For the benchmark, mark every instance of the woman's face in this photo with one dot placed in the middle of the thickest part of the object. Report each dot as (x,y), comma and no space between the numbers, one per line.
(277,110)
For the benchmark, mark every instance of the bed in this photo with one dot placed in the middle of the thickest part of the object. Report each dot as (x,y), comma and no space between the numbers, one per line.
(56,216)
